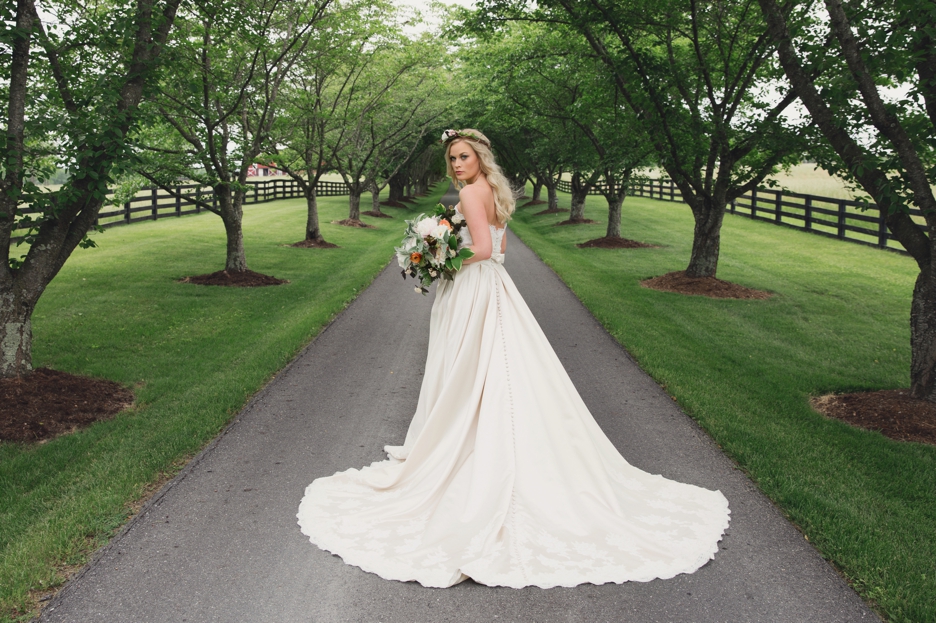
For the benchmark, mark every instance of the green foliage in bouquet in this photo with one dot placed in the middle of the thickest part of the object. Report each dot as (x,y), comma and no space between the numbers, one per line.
(429,250)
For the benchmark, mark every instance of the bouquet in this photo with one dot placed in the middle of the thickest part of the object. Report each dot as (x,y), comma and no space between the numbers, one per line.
(429,250)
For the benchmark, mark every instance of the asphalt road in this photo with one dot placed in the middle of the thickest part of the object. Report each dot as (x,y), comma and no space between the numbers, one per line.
(220,542)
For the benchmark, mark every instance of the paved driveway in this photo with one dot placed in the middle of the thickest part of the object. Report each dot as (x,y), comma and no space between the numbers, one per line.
(220,542)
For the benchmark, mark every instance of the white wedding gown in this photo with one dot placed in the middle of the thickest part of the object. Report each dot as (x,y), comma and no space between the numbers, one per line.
(505,477)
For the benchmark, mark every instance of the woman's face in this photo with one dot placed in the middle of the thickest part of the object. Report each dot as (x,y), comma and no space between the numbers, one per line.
(464,162)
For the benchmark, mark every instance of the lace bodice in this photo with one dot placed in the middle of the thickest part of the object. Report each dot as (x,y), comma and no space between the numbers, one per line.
(497,238)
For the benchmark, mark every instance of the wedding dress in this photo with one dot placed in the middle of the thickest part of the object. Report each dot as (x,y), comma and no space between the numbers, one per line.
(504,476)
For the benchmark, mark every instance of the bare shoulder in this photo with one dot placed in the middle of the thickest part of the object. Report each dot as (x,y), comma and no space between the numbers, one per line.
(474,192)
(476,196)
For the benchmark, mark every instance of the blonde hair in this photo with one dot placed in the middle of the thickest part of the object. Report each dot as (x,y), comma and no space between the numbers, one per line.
(504,200)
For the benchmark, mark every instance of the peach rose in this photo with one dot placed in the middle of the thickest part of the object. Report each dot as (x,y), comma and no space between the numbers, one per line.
(446,223)
(415,257)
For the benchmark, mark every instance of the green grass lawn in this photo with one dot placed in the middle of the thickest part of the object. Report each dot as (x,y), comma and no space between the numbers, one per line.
(193,354)
(838,322)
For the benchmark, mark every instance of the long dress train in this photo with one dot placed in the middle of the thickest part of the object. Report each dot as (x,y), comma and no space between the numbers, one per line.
(504,476)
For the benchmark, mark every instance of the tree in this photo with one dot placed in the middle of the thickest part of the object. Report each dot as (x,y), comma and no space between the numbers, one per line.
(216,109)
(73,94)
(386,112)
(699,77)
(577,89)
(311,103)
(567,96)
(527,147)
(421,97)
(884,146)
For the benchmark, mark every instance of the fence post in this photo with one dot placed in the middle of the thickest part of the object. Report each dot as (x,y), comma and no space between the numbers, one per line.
(807,225)
(178,201)
(734,206)
(841,219)
(753,203)
(256,195)
(127,213)
(882,230)
(155,207)
(198,200)
(779,205)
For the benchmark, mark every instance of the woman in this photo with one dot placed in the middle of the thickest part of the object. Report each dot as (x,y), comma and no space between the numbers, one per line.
(504,476)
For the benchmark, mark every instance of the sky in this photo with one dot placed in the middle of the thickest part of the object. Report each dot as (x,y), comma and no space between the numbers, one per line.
(424,7)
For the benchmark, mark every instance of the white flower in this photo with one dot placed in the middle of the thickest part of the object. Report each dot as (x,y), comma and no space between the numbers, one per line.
(458,218)
(439,231)
(418,289)
(433,273)
(426,226)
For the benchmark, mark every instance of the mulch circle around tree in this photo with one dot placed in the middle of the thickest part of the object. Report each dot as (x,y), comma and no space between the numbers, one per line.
(394,204)
(376,214)
(314,244)
(702,286)
(610,242)
(236,279)
(551,211)
(575,221)
(48,403)
(892,412)
(534,202)
(353,222)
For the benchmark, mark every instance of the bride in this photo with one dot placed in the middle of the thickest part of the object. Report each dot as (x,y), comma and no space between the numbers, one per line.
(504,476)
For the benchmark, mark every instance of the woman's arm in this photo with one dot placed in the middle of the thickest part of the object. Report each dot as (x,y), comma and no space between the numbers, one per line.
(472,207)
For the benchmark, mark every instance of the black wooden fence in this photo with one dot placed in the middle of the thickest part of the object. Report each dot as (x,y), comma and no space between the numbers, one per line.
(151,204)
(845,219)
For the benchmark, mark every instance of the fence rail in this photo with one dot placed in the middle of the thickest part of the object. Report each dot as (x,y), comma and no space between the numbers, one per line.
(845,219)
(153,203)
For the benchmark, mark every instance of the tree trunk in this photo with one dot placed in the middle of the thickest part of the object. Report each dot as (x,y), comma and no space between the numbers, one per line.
(577,213)
(923,337)
(552,196)
(15,336)
(397,189)
(706,238)
(375,199)
(537,190)
(614,214)
(232,215)
(617,185)
(313,231)
(354,204)
(579,194)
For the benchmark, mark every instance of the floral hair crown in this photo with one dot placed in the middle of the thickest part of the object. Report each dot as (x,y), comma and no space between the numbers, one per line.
(450,135)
